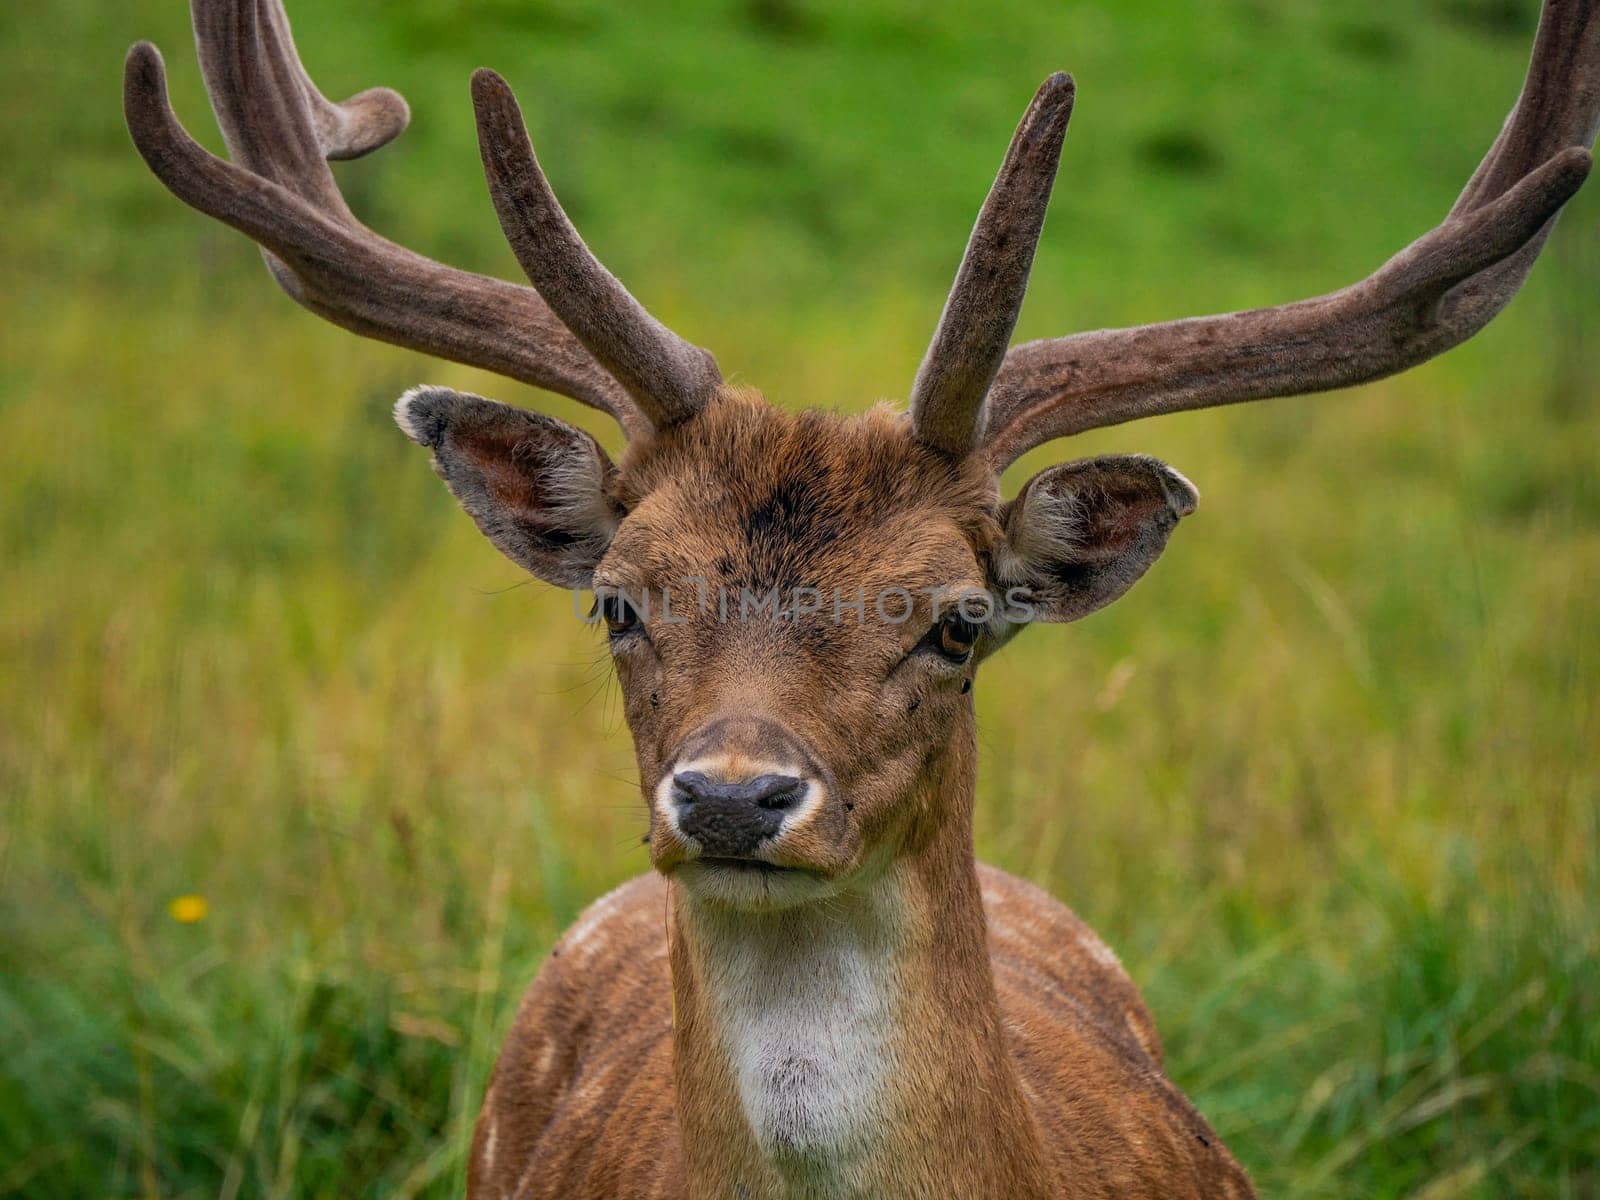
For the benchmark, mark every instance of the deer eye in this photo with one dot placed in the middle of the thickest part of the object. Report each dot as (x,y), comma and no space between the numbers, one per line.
(954,637)
(620,616)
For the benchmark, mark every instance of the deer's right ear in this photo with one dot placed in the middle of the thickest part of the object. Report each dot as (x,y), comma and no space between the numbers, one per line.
(538,488)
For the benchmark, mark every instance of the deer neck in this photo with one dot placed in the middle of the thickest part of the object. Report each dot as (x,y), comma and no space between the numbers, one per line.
(853,1047)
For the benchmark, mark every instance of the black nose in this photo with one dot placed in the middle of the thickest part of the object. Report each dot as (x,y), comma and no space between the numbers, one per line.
(732,819)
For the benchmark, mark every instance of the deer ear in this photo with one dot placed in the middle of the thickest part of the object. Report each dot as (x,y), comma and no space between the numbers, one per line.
(538,488)
(1080,534)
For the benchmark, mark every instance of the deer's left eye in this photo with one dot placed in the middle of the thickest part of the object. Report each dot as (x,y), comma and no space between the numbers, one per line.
(954,637)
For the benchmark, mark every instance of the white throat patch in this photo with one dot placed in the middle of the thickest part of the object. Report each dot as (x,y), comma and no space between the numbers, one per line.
(803,1000)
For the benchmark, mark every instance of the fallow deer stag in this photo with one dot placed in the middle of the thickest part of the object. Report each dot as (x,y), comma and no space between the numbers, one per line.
(819,992)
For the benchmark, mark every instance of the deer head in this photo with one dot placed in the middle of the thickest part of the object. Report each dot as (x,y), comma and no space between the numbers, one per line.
(797,604)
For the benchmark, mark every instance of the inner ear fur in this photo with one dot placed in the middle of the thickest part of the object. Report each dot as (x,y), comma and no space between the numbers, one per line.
(1080,534)
(539,489)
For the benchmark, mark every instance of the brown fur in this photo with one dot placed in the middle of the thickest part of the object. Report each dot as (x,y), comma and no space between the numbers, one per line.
(582,1104)
(1023,1062)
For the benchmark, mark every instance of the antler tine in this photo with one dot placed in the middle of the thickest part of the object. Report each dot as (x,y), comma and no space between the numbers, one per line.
(975,327)
(1559,105)
(273,118)
(668,377)
(1433,295)
(281,193)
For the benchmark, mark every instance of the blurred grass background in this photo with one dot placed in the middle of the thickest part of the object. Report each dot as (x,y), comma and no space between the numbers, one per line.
(1327,778)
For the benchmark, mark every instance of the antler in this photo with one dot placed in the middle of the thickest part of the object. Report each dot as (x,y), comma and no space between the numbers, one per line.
(279,191)
(1431,296)
(981,311)
(669,377)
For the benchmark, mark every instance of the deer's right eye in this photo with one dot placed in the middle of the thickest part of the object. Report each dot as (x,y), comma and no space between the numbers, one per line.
(621,617)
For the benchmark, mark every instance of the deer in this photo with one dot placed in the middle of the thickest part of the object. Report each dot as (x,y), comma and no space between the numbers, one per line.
(818,991)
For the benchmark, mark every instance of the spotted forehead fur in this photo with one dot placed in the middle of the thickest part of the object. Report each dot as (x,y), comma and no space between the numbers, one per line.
(749,496)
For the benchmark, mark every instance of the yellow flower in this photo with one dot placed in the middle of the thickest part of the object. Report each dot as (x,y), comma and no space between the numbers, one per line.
(188,910)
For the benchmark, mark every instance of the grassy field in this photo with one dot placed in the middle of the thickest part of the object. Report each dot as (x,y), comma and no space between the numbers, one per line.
(1327,779)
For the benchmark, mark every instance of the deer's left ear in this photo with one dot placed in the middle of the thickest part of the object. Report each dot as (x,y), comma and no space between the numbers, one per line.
(1080,534)
(539,489)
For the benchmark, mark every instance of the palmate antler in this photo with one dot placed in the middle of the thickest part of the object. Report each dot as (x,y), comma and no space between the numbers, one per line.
(1431,296)
(585,337)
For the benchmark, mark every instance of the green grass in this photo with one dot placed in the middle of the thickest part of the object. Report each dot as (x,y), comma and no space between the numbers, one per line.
(1327,778)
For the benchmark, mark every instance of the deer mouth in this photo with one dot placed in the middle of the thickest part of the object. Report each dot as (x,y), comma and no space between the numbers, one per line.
(742,882)
(756,866)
